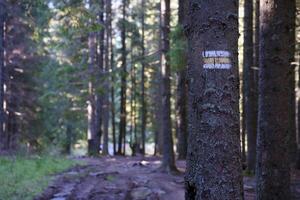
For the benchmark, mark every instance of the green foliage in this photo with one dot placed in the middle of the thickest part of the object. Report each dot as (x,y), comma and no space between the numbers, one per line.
(178,49)
(25,177)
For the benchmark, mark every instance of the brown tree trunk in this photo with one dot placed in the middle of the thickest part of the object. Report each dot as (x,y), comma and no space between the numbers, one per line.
(214,169)
(168,163)
(2,114)
(273,170)
(122,128)
(93,101)
(249,86)
(143,108)
(181,104)
(106,80)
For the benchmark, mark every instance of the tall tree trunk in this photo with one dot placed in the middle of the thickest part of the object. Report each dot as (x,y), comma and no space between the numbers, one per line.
(273,170)
(168,163)
(2,114)
(93,143)
(112,93)
(158,97)
(93,101)
(181,105)
(292,87)
(214,169)
(106,80)
(122,132)
(249,83)
(143,108)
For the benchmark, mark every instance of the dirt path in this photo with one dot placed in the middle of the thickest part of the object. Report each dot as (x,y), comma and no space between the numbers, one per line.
(119,178)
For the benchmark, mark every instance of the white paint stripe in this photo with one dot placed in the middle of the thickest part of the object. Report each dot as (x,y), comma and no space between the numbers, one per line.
(210,54)
(217,66)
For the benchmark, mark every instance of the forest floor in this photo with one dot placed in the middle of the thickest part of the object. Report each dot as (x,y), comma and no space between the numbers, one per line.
(130,178)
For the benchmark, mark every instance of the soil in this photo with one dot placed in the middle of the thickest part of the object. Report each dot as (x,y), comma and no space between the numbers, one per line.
(129,178)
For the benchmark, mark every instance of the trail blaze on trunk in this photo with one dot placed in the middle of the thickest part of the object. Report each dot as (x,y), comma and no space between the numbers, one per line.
(214,169)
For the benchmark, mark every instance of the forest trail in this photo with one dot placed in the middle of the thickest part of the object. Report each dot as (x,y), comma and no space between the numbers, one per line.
(129,178)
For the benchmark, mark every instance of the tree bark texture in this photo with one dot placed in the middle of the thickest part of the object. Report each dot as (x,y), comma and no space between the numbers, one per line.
(214,169)
(273,170)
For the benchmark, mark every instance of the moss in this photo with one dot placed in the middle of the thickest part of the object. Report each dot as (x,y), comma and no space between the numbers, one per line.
(25,177)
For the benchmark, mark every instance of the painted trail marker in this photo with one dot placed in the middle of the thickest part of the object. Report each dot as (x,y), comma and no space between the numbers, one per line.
(216,59)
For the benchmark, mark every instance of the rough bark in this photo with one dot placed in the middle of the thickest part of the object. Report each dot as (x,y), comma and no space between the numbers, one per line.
(122,128)
(273,170)
(214,169)
(249,86)
(168,163)
(2,114)
(292,94)
(181,104)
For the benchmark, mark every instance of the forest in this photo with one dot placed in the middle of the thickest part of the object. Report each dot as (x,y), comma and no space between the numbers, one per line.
(149,99)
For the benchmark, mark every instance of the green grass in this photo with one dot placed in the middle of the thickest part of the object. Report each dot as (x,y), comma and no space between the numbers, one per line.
(25,177)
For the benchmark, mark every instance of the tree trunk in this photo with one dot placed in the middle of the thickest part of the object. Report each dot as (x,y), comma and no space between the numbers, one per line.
(292,94)
(249,83)
(181,105)
(273,170)
(143,108)
(168,163)
(112,93)
(106,80)
(2,114)
(214,169)
(122,132)
(93,101)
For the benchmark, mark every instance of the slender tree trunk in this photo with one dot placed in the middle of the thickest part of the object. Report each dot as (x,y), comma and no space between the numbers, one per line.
(168,163)
(250,92)
(181,105)
(112,93)
(106,81)
(158,97)
(93,143)
(214,169)
(122,132)
(93,101)
(68,146)
(143,108)
(2,114)
(273,170)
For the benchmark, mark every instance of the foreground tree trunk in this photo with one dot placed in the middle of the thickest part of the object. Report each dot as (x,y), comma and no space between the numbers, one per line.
(249,83)
(214,169)
(181,105)
(168,163)
(273,170)
(122,128)
(2,114)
